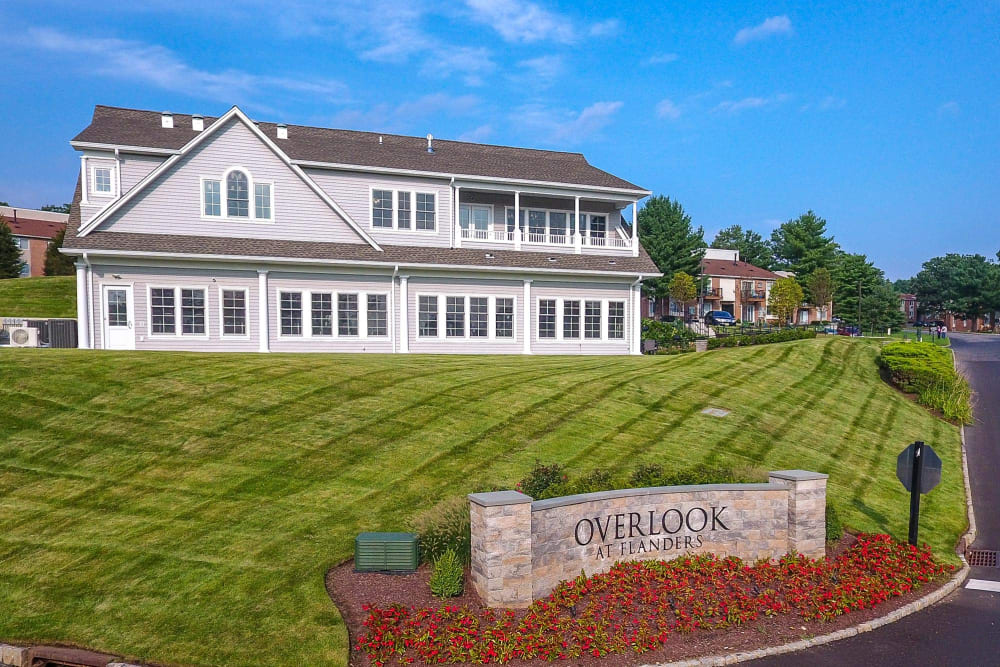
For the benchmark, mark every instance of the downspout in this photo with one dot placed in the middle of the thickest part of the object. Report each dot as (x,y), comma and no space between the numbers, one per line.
(454,222)
(392,308)
(90,300)
(118,175)
(636,314)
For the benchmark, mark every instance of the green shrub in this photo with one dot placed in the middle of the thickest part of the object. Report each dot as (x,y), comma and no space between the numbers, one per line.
(448,576)
(927,370)
(699,474)
(595,480)
(834,527)
(647,474)
(668,335)
(444,527)
(541,479)
(761,339)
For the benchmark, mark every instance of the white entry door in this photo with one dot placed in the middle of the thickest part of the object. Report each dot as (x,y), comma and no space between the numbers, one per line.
(119,332)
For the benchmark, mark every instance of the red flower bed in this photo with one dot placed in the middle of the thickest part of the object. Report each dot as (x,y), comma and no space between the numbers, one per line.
(636,606)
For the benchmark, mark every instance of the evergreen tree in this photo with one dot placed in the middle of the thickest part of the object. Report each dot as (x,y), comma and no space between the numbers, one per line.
(850,271)
(10,253)
(56,263)
(671,241)
(962,284)
(801,246)
(56,208)
(880,308)
(754,249)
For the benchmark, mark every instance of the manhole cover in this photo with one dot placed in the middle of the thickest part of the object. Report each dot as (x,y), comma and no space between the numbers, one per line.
(981,558)
(715,412)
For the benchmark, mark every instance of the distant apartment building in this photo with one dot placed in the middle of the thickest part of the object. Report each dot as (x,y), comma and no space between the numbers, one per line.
(32,232)
(908,304)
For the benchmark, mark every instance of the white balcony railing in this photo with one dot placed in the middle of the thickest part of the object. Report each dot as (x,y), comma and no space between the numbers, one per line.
(535,238)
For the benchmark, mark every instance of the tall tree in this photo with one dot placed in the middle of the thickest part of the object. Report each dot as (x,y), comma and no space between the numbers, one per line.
(752,246)
(56,263)
(904,285)
(682,289)
(853,272)
(786,296)
(821,290)
(671,241)
(802,246)
(960,284)
(880,308)
(56,208)
(10,252)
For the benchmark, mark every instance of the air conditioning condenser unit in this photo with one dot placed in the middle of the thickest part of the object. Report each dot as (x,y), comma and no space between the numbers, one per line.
(23,337)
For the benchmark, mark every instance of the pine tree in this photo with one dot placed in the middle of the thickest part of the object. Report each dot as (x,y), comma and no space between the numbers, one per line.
(671,241)
(752,246)
(801,246)
(10,253)
(56,263)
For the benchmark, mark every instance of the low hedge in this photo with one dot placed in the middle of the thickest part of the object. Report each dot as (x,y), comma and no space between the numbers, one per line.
(927,370)
(761,339)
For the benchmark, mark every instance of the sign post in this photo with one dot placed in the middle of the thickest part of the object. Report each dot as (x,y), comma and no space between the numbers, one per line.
(918,467)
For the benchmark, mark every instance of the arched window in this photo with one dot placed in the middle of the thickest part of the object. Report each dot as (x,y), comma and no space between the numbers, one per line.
(237,195)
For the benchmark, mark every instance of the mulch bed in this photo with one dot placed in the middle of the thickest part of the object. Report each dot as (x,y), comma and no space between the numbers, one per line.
(351,591)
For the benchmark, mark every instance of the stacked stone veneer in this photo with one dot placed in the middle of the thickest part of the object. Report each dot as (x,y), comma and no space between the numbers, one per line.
(522,549)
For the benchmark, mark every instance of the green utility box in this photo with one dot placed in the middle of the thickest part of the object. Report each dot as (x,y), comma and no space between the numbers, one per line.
(386,552)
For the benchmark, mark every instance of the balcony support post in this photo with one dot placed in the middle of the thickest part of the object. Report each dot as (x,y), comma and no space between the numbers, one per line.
(517,220)
(578,231)
(458,218)
(635,228)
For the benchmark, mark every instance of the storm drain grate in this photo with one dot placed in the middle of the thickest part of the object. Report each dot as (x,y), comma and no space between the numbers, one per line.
(982,558)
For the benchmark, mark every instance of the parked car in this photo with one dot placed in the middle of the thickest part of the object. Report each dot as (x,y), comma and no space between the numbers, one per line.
(848,330)
(719,317)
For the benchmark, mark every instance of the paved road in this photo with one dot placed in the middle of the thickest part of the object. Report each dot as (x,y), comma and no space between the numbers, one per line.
(964,628)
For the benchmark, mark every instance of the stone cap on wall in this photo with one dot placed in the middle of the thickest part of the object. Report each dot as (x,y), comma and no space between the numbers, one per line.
(649,491)
(797,475)
(498,498)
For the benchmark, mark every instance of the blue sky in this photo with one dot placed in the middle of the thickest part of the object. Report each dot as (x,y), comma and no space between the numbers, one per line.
(882,117)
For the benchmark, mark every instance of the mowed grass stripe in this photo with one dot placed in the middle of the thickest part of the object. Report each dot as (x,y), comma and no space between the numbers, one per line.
(183,508)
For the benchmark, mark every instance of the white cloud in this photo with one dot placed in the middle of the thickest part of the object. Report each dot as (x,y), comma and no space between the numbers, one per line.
(522,21)
(660,59)
(949,108)
(776,25)
(605,28)
(160,67)
(477,135)
(735,106)
(667,109)
(563,126)
(471,63)
(401,117)
(541,71)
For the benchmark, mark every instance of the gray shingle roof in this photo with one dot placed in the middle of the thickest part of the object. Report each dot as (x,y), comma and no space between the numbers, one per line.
(133,127)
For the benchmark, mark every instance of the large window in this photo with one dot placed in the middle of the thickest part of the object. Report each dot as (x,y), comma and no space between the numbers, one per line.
(237,195)
(347,314)
(592,319)
(455,316)
(404,209)
(571,319)
(230,197)
(427,316)
(382,208)
(616,319)
(213,197)
(262,200)
(291,313)
(536,222)
(161,305)
(426,215)
(193,312)
(321,313)
(475,216)
(234,312)
(102,180)
(378,315)
(547,318)
(479,317)
(505,318)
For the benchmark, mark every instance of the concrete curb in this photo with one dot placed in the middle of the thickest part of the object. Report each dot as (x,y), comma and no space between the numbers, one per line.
(904,611)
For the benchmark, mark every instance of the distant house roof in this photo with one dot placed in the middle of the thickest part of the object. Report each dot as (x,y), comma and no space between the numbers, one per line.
(134,127)
(725,268)
(32,223)
(908,297)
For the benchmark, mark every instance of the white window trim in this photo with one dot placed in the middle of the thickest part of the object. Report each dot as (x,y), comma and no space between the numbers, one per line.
(442,326)
(605,320)
(223,204)
(178,325)
(412,229)
(471,207)
(569,213)
(307,332)
(222,320)
(110,194)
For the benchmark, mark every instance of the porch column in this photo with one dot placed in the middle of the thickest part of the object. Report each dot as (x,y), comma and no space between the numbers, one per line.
(635,229)
(517,220)
(404,328)
(82,308)
(578,236)
(263,330)
(83,179)
(635,335)
(458,223)
(527,317)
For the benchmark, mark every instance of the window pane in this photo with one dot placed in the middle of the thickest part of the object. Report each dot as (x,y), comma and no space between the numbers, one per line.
(213,198)
(234,313)
(425,211)
(616,319)
(237,195)
(505,318)
(262,200)
(382,208)
(547,318)
(403,210)
(322,314)
(161,302)
(571,319)
(598,226)
(557,223)
(479,317)
(193,311)
(536,222)
(428,316)
(509,212)
(102,180)
(347,314)
(592,319)
(117,308)
(378,315)
(291,314)
(455,316)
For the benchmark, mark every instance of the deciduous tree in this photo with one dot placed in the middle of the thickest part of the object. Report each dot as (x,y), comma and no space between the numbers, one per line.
(56,208)
(682,288)
(961,284)
(754,249)
(671,241)
(786,297)
(821,290)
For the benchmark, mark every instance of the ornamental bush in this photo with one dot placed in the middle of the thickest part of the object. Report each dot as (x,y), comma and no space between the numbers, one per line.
(761,339)
(444,527)
(540,481)
(927,370)
(448,576)
(834,527)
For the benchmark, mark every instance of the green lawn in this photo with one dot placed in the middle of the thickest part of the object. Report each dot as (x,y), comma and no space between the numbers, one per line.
(184,508)
(38,297)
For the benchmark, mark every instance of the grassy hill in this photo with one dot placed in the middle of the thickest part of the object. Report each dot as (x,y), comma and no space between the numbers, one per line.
(183,508)
(38,297)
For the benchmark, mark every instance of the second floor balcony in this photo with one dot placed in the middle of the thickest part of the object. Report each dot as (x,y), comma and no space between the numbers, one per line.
(548,238)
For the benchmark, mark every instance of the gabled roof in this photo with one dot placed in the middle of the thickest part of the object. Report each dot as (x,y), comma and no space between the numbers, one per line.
(725,268)
(133,127)
(36,224)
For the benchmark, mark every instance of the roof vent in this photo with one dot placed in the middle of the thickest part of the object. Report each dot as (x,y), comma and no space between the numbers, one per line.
(282,131)
(197,122)
(380,140)
(430,143)
(552,259)
(611,261)
(166,119)
(490,255)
